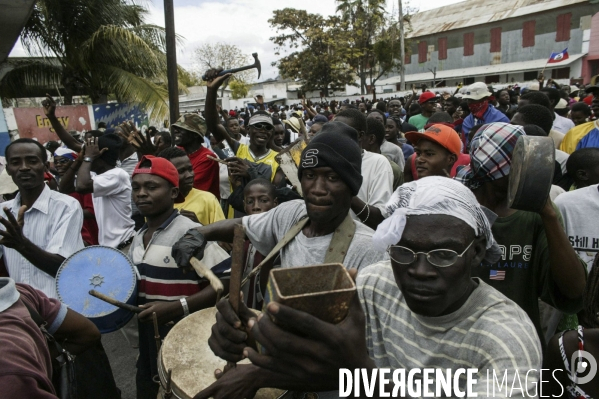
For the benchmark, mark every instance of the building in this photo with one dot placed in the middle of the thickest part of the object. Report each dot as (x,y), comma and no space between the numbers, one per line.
(501,41)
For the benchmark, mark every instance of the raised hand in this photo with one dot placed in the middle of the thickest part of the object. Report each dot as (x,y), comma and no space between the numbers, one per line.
(49,106)
(213,81)
(12,236)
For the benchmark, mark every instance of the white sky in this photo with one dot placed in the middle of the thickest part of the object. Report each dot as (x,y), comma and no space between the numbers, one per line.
(240,22)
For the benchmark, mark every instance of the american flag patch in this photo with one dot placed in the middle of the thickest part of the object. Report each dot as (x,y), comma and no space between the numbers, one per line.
(497,275)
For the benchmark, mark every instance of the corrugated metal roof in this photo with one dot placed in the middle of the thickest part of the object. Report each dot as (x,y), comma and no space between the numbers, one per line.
(498,69)
(478,12)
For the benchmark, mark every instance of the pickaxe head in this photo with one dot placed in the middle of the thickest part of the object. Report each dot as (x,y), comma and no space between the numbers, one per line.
(257,64)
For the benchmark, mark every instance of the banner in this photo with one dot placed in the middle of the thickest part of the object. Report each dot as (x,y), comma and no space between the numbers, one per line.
(32,122)
(113,114)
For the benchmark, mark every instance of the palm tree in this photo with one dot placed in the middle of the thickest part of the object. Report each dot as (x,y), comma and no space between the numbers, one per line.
(95,48)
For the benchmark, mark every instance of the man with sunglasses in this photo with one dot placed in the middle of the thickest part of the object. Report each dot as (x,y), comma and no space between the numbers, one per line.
(420,309)
(260,130)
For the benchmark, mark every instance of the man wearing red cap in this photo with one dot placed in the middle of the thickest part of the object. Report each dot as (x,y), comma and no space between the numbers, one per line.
(163,288)
(428,103)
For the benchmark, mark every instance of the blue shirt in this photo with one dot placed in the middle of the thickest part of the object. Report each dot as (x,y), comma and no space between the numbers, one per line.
(491,115)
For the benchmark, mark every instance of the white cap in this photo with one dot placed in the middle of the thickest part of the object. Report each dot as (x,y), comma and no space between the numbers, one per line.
(562,104)
(476,91)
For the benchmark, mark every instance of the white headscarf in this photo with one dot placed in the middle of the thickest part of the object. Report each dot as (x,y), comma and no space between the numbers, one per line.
(434,195)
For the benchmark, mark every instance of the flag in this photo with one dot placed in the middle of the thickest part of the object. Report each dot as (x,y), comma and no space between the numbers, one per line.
(497,275)
(558,57)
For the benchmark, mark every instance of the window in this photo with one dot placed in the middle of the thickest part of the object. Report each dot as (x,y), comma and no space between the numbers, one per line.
(468,44)
(408,59)
(560,73)
(491,79)
(468,81)
(422,48)
(563,27)
(495,40)
(532,75)
(528,34)
(442,48)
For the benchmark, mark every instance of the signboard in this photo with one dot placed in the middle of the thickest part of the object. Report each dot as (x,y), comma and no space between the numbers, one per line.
(113,114)
(32,122)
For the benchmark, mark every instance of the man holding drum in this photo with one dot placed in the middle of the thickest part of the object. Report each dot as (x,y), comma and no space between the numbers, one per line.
(164,287)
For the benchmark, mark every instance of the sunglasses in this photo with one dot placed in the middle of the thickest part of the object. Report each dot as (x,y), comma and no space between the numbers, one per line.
(263,126)
(61,161)
(436,257)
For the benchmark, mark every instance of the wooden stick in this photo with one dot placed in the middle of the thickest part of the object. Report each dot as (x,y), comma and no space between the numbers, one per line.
(237,262)
(217,159)
(116,303)
(156,332)
(203,271)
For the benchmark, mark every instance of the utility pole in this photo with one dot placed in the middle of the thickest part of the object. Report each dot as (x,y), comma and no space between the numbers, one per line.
(402,47)
(171,61)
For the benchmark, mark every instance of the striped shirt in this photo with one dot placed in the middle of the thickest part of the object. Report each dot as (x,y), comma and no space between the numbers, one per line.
(161,278)
(489,332)
(53,223)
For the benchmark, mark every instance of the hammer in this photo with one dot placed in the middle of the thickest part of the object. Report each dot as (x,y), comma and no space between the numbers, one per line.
(256,65)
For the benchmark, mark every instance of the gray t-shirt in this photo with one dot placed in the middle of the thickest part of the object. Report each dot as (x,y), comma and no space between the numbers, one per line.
(394,152)
(265,230)
(489,332)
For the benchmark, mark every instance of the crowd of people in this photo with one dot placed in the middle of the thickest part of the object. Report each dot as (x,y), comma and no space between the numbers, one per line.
(409,193)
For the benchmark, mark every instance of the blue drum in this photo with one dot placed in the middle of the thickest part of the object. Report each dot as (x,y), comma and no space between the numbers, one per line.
(106,270)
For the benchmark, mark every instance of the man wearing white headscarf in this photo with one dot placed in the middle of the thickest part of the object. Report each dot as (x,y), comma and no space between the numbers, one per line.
(420,309)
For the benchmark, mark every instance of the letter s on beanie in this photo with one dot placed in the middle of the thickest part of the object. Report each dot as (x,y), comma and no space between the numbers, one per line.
(333,148)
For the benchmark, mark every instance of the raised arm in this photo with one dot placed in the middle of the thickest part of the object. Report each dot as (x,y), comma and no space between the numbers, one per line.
(210,110)
(50,110)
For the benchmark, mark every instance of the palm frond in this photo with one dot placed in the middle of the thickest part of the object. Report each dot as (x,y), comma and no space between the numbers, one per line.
(131,88)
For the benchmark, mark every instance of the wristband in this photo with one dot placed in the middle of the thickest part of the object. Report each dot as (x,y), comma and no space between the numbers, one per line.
(185,307)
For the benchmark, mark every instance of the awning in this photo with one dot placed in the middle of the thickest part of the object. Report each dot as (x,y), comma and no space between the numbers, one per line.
(498,69)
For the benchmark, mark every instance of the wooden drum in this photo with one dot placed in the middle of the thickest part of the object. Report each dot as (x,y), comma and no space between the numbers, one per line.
(185,351)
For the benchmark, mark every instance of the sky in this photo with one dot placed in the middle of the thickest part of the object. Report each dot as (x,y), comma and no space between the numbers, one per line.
(240,22)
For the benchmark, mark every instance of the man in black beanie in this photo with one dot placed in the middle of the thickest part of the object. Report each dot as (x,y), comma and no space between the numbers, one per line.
(317,229)
(110,188)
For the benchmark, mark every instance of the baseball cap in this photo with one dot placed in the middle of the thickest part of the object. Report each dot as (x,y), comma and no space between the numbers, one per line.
(426,96)
(476,91)
(192,122)
(443,135)
(160,167)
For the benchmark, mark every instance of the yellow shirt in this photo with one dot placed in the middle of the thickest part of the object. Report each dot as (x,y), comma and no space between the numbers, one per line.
(204,205)
(576,134)
(243,152)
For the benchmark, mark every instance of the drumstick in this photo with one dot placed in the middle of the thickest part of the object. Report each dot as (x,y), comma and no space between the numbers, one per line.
(203,271)
(217,159)
(116,303)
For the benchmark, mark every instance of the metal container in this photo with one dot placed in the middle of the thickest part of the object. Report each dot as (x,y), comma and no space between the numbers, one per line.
(106,270)
(324,291)
(531,173)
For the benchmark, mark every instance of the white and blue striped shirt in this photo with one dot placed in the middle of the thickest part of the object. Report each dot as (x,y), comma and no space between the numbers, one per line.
(53,223)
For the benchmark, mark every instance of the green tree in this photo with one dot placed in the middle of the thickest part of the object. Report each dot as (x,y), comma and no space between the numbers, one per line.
(314,53)
(373,42)
(239,89)
(95,48)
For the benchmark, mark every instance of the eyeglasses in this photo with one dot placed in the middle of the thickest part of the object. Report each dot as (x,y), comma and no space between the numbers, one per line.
(61,161)
(262,126)
(436,257)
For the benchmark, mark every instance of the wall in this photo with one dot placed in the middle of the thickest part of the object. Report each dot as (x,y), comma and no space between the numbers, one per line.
(32,122)
(511,42)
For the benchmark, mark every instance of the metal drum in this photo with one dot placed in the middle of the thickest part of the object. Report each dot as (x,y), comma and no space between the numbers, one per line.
(531,173)
(106,270)
(186,353)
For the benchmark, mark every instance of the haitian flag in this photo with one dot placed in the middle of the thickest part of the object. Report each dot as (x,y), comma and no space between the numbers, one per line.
(558,57)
